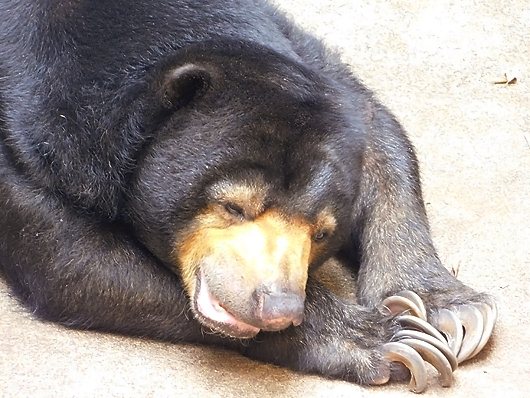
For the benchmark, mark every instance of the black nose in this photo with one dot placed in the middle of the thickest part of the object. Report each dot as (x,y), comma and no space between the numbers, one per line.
(278,310)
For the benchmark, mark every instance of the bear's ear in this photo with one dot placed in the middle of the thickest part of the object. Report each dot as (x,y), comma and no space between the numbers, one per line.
(184,84)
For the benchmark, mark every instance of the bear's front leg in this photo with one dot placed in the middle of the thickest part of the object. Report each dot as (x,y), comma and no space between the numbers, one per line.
(84,274)
(396,251)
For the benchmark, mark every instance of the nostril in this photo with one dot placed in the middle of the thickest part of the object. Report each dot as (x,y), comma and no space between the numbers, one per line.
(278,310)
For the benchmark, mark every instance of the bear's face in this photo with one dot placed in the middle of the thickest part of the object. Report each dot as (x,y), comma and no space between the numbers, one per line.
(239,200)
(245,262)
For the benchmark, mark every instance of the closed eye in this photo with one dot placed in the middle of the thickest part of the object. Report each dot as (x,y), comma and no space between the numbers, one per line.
(235,210)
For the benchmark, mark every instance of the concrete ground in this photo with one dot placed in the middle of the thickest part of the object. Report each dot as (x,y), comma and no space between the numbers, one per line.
(433,63)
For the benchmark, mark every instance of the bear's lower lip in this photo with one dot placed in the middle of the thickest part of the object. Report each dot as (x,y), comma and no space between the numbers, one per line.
(217,315)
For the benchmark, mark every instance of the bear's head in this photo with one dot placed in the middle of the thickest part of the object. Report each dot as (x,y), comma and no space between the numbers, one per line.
(248,182)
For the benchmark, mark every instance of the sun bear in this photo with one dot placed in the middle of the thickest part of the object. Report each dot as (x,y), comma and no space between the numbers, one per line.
(183,170)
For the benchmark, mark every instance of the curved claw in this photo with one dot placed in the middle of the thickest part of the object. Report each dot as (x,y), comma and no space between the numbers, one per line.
(478,321)
(415,323)
(489,316)
(448,323)
(472,321)
(403,335)
(416,300)
(399,352)
(435,357)
(405,302)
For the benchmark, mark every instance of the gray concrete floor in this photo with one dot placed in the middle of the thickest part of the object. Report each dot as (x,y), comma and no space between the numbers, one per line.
(433,63)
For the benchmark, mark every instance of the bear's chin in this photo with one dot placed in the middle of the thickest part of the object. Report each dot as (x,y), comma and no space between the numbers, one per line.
(212,314)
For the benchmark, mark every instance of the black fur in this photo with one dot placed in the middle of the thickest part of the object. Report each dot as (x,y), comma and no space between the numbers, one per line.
(105,156)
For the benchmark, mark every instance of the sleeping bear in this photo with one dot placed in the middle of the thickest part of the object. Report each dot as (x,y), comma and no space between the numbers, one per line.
(188,170)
